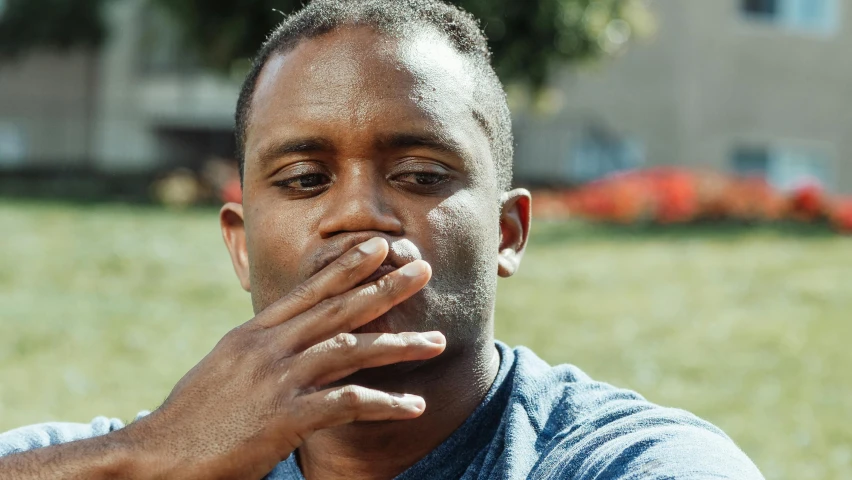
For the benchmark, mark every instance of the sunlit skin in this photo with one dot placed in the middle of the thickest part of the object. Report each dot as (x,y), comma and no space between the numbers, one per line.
(354,135)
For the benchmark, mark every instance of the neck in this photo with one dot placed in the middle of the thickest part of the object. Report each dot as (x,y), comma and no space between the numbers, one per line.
(452,387)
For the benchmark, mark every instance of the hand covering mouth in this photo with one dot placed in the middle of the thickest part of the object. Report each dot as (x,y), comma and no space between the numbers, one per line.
(401,252)
(380,272)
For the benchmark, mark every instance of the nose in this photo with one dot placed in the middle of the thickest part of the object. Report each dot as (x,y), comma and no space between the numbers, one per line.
(359,203)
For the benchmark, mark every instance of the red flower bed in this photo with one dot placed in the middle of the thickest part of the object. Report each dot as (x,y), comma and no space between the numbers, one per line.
(678,195)
(840,213)
(668,195)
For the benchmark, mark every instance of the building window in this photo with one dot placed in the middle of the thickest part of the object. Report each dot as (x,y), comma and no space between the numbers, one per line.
(760,7)
(821,16)
(13,149)
(597,154)
(784,168)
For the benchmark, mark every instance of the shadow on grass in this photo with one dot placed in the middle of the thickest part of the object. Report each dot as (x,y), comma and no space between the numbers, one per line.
(552,232)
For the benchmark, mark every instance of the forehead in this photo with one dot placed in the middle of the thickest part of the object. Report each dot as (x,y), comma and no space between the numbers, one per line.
(355,81)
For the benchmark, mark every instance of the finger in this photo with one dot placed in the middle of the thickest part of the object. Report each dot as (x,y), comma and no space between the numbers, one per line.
(348,270)
(354,308)
(346,353)
(352,403)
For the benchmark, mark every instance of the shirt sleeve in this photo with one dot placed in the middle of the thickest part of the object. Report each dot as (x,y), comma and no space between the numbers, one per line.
(672,452)
(47,434)
(654,444)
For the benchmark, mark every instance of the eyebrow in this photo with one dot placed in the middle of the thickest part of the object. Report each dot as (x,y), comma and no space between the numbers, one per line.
(400,141)
(395,141)
(297,145)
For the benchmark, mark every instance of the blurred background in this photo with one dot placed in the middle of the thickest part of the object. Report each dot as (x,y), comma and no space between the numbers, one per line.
(691,162)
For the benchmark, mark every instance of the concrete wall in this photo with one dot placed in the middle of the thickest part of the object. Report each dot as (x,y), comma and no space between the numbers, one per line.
(103,110)
(136,106)
(710,80)
(45,111)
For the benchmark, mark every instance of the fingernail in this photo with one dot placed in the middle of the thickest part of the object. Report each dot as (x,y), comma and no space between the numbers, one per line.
(413,269)
(372,246)
(415,402)
(407,400)
(434,337)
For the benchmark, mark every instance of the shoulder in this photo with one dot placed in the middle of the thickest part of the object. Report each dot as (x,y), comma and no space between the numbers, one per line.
(47,434)
(643,443)
(588,429)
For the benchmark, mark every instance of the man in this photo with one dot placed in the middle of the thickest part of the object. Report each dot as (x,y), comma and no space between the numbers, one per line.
(376,146)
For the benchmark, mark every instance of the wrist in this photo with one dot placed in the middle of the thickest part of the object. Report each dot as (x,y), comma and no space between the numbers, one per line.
(103,457)
(130,455)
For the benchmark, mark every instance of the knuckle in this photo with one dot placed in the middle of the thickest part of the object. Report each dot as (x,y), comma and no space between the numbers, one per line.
(345,341)
(350,397)
(389,287)
(304,292)
(348,262)
(409,338)
(240,349)
(235,333)
(334,306)
(235,340)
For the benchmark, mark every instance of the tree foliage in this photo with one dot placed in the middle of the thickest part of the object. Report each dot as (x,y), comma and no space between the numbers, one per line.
(526,37)
(50,24)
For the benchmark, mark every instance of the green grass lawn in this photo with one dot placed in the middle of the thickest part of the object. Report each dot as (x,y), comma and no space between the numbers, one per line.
(103,308)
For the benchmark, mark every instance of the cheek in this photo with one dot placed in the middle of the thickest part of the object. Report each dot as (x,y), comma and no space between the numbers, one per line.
(465,233)
(276,242)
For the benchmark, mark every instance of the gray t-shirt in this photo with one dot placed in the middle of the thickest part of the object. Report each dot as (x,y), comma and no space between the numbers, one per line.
(537,422)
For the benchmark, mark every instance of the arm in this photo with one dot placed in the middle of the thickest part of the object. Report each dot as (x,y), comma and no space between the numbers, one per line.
(264,389)
(103,457)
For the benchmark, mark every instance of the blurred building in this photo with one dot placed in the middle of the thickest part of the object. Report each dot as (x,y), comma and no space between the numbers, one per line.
(138,104)
(756,86)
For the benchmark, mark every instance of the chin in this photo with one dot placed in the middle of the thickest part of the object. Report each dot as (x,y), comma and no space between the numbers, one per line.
(389,378)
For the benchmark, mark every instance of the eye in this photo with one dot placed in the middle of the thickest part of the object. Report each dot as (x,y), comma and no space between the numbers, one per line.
(422,179)
(310,181)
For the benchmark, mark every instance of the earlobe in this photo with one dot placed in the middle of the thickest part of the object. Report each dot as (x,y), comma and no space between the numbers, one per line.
(514,230)
(232,222)
(508,262)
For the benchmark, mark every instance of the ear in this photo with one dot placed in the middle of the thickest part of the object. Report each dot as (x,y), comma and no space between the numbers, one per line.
(234,232)
(514,230)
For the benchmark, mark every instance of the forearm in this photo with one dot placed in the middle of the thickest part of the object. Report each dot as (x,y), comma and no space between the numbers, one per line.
(105,457)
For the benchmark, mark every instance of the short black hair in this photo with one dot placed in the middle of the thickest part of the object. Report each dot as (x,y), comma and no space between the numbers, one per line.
(390,17)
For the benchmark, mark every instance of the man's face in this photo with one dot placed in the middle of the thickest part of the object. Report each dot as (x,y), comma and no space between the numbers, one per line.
(353,135)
